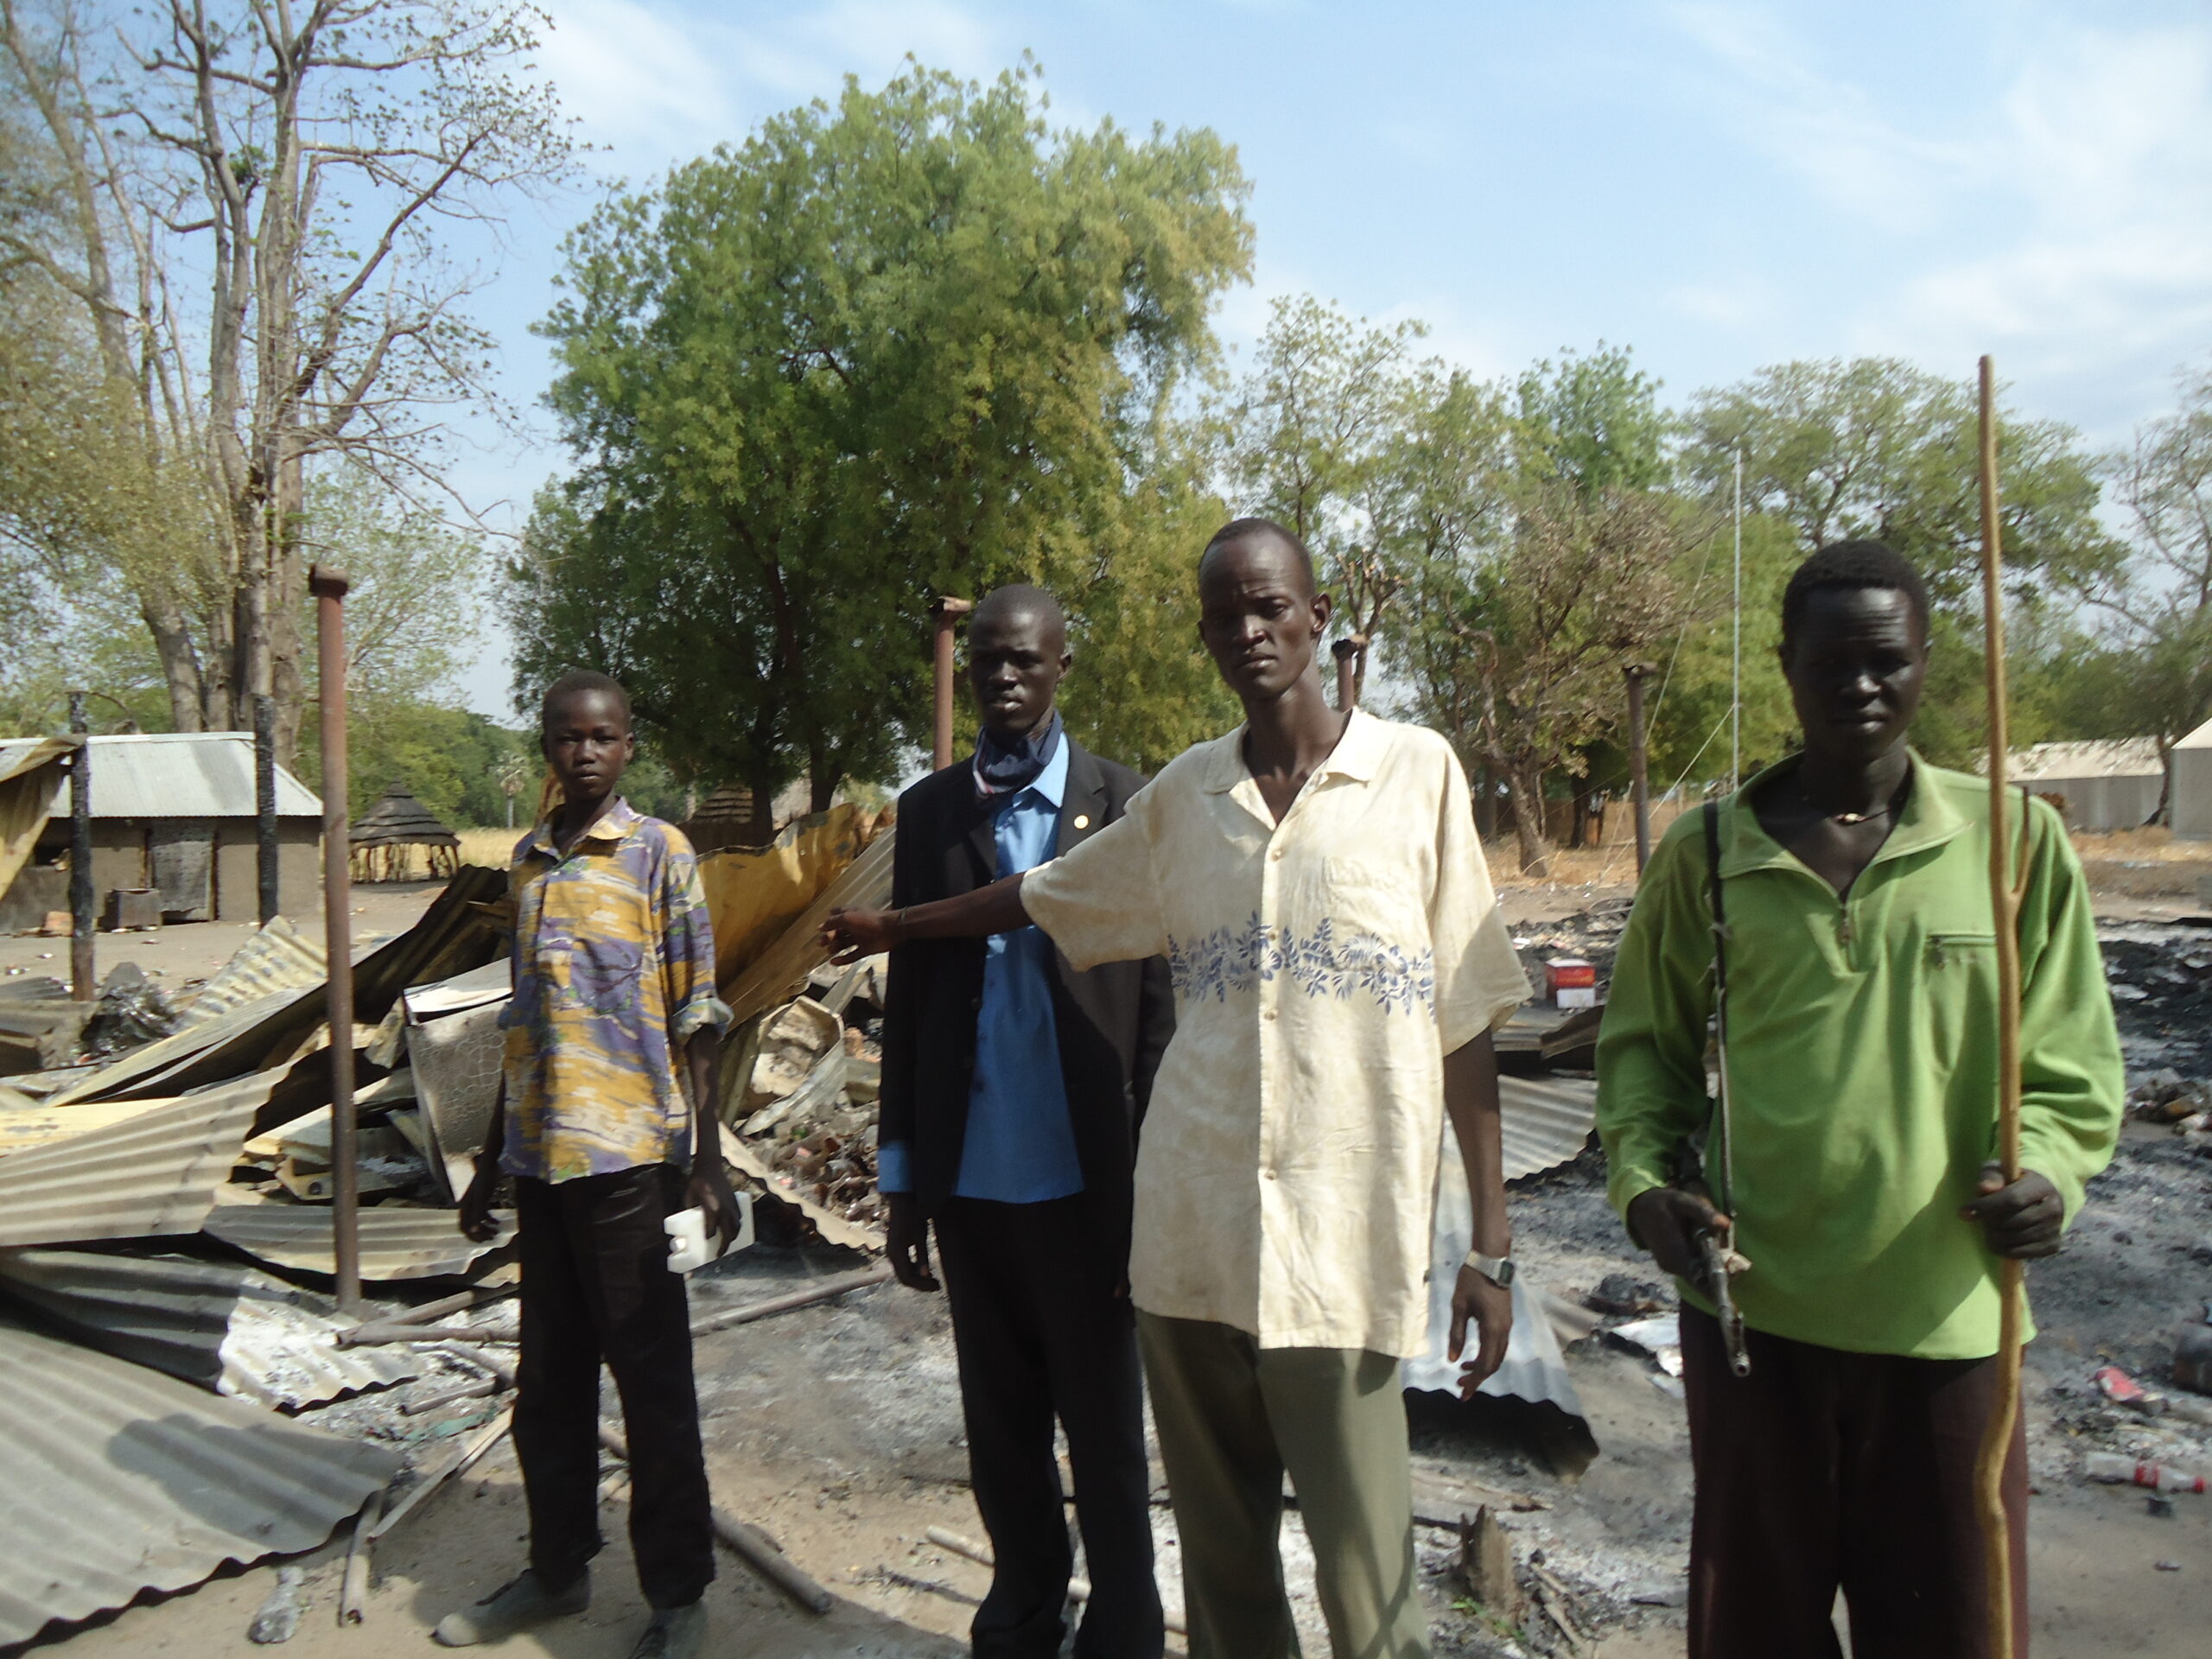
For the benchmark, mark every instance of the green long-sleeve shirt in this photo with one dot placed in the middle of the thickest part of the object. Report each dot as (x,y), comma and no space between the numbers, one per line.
(1863,1061)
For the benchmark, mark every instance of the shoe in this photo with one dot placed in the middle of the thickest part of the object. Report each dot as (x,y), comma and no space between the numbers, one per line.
(515,1606)
(673,1633)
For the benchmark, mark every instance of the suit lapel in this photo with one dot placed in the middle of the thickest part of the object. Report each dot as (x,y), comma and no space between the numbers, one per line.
(983,837)
(1082,807)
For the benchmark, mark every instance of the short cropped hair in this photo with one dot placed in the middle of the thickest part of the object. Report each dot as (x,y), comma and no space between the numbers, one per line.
(578,680)
(1843,565)
(1240,530)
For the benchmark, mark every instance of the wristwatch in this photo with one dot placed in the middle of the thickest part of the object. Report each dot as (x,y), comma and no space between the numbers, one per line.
(1498,1269)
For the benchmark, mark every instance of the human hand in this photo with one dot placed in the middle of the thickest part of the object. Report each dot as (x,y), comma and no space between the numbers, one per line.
(907,1232)
(1671,1223)
(2022,1221)
(852,934)
(476,1219)
(709,1191)
(1490,1305)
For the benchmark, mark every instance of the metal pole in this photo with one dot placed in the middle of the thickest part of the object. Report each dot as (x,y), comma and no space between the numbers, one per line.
(1346,652)
(264,805)
(1996,1441)
(1736,669)
(947,611)
(328,588)
(82,984)
(1638,767)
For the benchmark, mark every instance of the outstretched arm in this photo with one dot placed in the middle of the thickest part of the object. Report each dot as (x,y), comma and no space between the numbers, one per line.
(852,934)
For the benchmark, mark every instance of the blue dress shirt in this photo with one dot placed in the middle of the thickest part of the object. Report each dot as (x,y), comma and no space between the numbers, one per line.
(1019,1147)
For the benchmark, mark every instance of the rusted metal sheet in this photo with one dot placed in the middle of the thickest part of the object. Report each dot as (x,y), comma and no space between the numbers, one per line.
(220,1325)
(1546,1121)
(779,972)
(120,1480)
(150,1174)
(396,1242)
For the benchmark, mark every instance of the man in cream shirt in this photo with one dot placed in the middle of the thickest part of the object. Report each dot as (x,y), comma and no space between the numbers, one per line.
(1316,883)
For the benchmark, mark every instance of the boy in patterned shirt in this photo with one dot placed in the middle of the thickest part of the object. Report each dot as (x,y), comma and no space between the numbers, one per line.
(614,973)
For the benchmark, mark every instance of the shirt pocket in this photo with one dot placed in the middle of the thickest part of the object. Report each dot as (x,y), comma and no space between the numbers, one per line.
(1961,950)
(601,975)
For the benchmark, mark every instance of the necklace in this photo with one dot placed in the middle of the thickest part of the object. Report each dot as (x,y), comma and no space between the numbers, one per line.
(1882,811)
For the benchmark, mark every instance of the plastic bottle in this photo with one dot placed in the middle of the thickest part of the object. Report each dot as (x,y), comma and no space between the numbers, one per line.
(2113,1469)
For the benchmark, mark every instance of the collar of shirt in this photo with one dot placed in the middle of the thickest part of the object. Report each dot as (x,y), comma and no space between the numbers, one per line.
(1051,785)
(1928,820)
(1356,756)
(618,822)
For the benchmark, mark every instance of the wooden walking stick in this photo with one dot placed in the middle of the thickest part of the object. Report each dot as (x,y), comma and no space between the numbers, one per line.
(1997,1441)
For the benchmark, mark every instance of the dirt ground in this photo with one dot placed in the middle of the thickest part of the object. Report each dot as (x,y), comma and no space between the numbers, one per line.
(837,1428)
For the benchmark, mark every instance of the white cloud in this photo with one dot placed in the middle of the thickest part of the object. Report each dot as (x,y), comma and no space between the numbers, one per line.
(2060,221)
(658,84)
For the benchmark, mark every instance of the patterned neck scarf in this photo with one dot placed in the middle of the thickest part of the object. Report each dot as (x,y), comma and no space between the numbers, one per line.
(1005,766)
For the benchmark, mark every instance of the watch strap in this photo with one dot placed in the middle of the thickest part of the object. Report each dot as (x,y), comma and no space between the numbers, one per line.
(1498,1269)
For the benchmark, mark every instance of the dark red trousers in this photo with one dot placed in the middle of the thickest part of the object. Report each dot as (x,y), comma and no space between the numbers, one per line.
(1823,1471)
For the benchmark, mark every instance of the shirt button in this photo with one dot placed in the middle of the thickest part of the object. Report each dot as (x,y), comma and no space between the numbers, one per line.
(1269,1014)
(1271,1174)
(1276,854)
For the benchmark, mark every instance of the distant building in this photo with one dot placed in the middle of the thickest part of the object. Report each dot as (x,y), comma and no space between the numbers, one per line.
(2192,802)
(2114,784)
(173,811)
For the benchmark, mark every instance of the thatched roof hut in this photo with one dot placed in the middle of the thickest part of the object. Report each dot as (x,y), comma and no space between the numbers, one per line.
(384,838)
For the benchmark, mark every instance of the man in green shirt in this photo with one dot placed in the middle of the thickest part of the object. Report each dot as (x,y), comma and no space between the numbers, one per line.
(1862,1074)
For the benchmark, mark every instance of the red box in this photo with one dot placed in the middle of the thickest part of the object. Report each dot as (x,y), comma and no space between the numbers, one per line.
(1572,983)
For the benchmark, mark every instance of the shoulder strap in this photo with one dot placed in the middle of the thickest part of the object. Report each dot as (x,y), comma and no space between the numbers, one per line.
(1713,897)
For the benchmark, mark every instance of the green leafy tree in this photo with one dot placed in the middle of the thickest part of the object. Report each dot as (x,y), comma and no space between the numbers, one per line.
(912,344)
(1328,409)
(1878,447)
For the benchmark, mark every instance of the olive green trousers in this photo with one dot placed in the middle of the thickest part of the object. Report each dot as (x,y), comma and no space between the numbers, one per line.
(1234,1418)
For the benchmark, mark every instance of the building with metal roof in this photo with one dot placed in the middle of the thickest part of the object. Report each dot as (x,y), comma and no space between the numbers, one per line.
(2115,783)
(172,812)
(2191,815)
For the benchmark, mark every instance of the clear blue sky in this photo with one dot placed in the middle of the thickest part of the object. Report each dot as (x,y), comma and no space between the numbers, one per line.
(1719,186)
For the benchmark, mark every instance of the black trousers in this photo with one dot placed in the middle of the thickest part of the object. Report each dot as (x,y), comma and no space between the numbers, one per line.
(1041,1334)
(596,1286)
(1826,1469)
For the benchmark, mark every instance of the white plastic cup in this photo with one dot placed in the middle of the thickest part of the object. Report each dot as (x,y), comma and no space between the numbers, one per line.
(687,1240)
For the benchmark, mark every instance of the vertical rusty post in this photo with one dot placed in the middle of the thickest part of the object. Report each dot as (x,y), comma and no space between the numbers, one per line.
(948,611)
(265,806)
(329,587)
(1346,652)
(82,985)
(1638,763)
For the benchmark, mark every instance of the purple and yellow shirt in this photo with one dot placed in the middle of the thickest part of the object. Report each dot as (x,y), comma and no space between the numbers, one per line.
(614,971)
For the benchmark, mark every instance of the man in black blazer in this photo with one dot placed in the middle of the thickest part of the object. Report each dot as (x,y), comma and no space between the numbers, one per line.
(1013,1087)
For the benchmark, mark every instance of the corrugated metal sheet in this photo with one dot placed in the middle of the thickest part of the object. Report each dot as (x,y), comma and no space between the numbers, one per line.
(187,775)
(1546,1121)
(278,957)
(455,933)
(396,1243)
(119,1479)
(22,754)
(154,1172)
(34,1125)
(1535,1369)
(217,1324)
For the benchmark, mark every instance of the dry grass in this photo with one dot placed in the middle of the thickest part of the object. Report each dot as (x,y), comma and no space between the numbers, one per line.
(490,847)
(2156,846)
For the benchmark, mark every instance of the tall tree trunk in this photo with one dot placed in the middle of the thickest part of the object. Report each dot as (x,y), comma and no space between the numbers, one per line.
(179,663)
(1526,786)
(1485,787)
